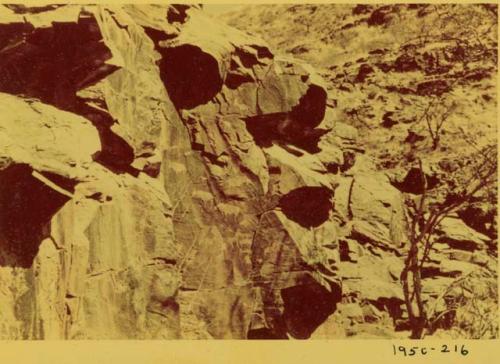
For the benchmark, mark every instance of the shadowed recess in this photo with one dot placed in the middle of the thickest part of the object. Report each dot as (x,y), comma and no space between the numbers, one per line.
(28,206)
(413,183)
(52,64)
(430,271)
(234,80)
(298,127)
(467,245)
(248,59)
(344,251)
(262,52)
(280,127)
(177,13)
(191,76)
(393,306)
(311,108)
(265,128)
(116,154)
(307,306)
(307,206)
(480,219)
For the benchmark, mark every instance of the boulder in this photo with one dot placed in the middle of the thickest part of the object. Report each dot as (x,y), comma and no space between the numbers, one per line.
(456,234)
(45,138)
(377,211)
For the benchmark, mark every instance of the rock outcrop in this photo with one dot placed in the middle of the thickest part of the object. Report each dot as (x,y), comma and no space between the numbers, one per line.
(160,179)
(166,176)
(392,72)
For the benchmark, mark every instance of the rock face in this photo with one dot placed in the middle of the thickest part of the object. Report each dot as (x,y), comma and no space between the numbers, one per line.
(160,179)
(165,176)
(390,70)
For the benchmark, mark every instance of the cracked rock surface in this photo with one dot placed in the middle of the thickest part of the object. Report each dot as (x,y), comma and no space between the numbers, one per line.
(164,175)
(388,70)
(141,199)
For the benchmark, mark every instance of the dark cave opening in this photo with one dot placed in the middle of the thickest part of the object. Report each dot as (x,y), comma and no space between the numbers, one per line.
(52,64)
(279,127)
(311,108)
(191,76)
(307,306)
(234,80)
(177,13)
(264,128)
(27,206)
(413,182)
(307,206)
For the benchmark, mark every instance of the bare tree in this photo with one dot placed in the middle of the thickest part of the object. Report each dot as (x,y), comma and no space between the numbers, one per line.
(426,214)
(435,116)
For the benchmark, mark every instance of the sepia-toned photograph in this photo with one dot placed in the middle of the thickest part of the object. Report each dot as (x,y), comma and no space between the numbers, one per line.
(249,172)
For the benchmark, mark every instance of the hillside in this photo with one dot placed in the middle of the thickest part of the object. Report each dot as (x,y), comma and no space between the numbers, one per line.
(166,175)
(395,74)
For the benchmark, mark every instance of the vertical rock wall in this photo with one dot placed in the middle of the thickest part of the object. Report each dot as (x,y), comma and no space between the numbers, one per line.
(161,178)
